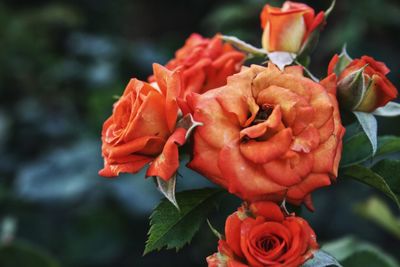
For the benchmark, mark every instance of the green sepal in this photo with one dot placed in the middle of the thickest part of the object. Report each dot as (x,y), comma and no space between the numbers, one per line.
(351,89)
(343,61)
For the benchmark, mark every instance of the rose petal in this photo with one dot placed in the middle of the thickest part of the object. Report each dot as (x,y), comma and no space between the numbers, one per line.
(133,165)
(232,233)
(167,163)
(309,184)
(258,185)
(269,210)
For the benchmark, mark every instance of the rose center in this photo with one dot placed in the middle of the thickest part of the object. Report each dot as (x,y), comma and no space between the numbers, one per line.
(263,114)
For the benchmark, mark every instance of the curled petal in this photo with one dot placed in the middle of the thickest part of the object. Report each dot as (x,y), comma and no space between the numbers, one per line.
(265,151)
(166,164)
(269,210)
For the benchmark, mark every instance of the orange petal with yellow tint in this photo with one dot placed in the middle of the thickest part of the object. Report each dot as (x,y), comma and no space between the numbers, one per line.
(202,153)
(264,151)
(246,179)
(133,165)
(232,233)
(267,209)
(154,144)
(167,163)
(309,184)
(307,140)
(273,122)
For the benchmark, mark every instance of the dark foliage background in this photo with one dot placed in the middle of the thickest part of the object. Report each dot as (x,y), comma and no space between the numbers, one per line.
(60,64)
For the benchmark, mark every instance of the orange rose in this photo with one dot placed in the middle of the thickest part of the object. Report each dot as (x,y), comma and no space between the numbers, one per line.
(268,134)
(205,63)
(263,235)
(142,128)
(287,28)
(378,89)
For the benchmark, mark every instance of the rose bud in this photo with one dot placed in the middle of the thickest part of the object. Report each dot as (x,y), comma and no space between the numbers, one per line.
(266,238)
(288,28)
(362,83)
(205,63)
(268,134)
(142,128)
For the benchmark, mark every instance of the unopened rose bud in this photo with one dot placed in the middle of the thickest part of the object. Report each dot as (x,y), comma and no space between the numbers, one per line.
(288,28)
(362,83)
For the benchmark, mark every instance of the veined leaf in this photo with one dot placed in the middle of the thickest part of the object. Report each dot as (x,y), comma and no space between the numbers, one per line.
(370,127)
(369,177)
(356,149)
(171,228)
(390,170)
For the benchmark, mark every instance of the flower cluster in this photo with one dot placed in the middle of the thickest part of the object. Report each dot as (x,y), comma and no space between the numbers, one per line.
(268,133)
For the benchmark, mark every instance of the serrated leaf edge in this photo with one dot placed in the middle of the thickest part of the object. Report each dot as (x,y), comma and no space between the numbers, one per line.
(146,250)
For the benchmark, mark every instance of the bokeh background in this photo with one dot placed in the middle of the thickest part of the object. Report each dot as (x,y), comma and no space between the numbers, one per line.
(61,63)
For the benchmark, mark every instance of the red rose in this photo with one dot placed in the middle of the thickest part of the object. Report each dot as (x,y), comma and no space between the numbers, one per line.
(288,28)
(142,128)
(262,235)
(379,90)
(268,134)
(205,63)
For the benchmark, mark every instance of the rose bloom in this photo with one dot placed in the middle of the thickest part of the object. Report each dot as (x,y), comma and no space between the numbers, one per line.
(205,63)
(268,134)
(379,89)
(262,235)
(289,27)
(142,128)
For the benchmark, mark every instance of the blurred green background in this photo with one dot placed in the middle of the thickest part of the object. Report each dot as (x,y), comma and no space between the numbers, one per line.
(61,62)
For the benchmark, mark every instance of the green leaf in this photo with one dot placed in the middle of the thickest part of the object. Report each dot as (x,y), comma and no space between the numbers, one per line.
(322,259)
(356,149)
(19,253)
(375,210)
(343,62)
(388,144)
(369,177)
(167,188)
(390,170)
(354,253)
(391,109)
(370,127)
(243,46)
(171,228)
